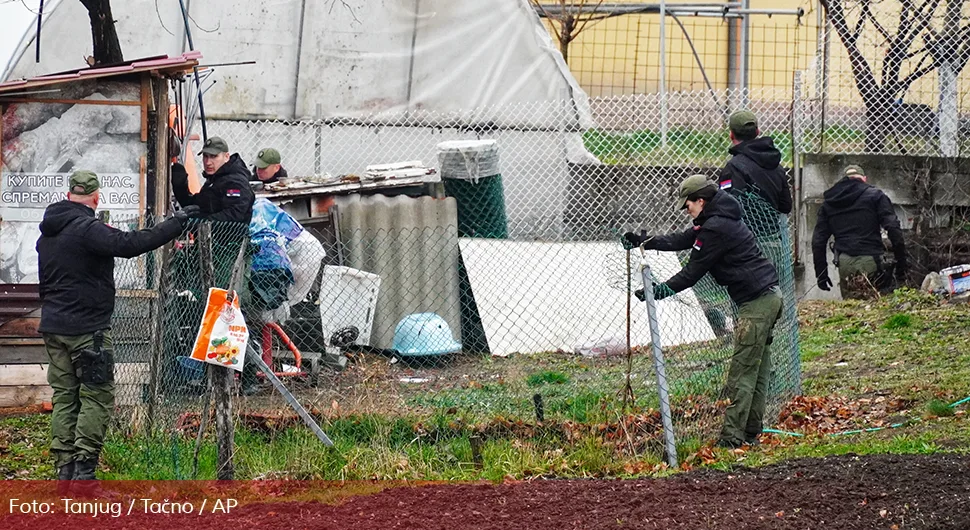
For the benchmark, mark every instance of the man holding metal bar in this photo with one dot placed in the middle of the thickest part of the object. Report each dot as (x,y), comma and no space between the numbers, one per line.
(723,246)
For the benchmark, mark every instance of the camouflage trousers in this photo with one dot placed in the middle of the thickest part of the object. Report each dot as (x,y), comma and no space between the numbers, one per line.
(81,409)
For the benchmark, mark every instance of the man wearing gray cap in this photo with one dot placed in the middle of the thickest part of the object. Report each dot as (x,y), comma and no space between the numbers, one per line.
(855,213)
(226,195)
(76,257)
(755,166)
(268,167)
(723,246)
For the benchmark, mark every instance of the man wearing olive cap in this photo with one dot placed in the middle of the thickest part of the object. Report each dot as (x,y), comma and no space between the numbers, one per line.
(755,165)
(225,195)
(268,168)
(723,246)
(855,213)
(76,254)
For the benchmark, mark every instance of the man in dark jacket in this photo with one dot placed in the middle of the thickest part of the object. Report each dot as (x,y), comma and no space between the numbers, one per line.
(855,212)
(76,255)
(722,245)
(755,167)
(225,195)
(268,167)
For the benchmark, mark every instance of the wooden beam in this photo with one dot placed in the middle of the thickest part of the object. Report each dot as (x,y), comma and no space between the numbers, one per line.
(72,101)
(21,396)
(146,94)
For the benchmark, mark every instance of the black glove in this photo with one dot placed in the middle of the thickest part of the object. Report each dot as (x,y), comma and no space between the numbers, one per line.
(632,240)
(179,174)
(184,214)
(824,283)
(660,291)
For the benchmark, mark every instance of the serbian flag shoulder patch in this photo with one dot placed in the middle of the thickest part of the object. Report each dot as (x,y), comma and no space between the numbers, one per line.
(233,193)
(698,244)
(726,184)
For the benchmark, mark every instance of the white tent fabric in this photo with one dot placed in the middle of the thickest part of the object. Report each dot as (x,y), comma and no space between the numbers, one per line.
(325,59)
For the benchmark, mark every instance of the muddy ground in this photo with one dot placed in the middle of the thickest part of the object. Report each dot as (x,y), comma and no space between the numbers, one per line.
(843,492)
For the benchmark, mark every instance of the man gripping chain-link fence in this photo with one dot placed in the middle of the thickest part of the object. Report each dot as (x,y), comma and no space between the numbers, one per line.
(76,255)
(722,245)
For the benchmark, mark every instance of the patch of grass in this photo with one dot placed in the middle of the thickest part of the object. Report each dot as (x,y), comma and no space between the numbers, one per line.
(898,321)
(24,443)
(684,147)
(546,378)
(939,409)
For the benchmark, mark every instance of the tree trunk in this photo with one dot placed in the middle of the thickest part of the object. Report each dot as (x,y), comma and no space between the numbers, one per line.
(568,25)
(880,118)
(104,36)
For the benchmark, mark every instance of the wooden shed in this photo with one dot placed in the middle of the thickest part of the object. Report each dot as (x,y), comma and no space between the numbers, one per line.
(113,120)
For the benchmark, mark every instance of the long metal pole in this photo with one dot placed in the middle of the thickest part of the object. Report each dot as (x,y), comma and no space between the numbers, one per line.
(663,73)
(195,69)
(659,365)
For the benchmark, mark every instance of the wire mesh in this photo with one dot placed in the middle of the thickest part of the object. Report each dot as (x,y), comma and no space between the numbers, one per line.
(486,330)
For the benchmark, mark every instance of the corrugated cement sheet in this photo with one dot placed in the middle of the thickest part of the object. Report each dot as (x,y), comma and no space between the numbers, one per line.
(412,243)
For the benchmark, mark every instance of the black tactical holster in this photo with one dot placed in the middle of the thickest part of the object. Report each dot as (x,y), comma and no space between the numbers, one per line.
(96,366)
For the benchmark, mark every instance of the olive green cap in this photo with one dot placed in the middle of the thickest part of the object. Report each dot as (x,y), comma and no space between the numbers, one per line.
(743,122)
(690,186)
(214,146)
(84,182)
(267,157)
(854,171)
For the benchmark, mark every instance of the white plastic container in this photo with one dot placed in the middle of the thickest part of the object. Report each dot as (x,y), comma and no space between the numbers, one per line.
(957,278)
(348,297)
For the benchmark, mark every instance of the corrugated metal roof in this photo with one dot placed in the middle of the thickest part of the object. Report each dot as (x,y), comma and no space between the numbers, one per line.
(161,63)
(412,244)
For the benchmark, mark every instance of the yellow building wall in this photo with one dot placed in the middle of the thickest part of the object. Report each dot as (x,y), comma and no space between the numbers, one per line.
(621,55)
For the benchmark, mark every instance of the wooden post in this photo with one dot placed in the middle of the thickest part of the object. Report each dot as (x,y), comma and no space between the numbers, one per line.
(219,376)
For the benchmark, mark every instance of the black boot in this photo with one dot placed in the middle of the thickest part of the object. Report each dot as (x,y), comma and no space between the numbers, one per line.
(86,484)
(65,474)
(84,469)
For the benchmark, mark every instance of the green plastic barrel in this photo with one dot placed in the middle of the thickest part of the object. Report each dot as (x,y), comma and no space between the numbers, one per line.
(470,173)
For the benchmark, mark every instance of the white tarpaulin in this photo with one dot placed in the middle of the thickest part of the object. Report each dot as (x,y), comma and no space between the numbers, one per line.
(319,58)
(536,297)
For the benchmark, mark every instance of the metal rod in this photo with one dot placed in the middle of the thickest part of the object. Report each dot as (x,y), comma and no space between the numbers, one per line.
(40,16)
(614,9)
(195,69)
(663,74)
(670,444)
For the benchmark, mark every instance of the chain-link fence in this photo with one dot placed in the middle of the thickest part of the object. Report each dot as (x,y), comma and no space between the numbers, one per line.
(493,327)
(890,78)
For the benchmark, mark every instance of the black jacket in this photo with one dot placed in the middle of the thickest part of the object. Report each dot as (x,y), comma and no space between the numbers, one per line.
(854,212)
(755,168)
(281,174)
(722,245)
(225,196)
(76,255)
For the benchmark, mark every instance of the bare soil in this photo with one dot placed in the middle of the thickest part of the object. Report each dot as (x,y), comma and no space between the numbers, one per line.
(842,492)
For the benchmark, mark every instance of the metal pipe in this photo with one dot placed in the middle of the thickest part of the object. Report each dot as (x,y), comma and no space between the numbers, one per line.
(195,69)
(670,442)
(746,11)
(663,74)
(627,9)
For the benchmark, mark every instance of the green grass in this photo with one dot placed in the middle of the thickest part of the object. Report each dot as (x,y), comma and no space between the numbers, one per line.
(684,147)
(904,346)
(547,378)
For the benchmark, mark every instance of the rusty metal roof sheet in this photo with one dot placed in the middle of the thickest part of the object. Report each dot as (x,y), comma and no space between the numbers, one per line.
(161,63)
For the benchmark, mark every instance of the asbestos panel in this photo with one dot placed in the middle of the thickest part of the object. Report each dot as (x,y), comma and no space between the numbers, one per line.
(412,244)
(540,297)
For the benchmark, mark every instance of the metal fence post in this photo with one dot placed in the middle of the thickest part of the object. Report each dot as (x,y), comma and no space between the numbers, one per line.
(670,444)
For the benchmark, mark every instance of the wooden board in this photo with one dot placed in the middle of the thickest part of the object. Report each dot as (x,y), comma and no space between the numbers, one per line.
(22,396)
(36,374)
